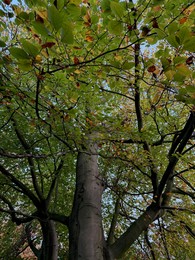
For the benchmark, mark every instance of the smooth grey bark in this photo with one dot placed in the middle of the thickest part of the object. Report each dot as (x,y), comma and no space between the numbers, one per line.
(85,227)
(49,250)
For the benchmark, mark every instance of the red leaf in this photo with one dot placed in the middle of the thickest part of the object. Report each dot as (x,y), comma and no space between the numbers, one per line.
(151,68)
(189,60)
(7,2)
(76,60)
(131,27)
(39,19)
(155,23)
(78,85)
(145,31)
(48,45)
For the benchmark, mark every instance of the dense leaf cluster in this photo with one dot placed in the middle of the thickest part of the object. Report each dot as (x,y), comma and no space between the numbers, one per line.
(122,70)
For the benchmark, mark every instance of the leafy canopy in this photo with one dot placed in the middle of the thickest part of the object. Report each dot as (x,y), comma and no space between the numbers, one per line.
(122,69)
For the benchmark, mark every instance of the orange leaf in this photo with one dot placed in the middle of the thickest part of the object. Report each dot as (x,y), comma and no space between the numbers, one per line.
(157,8)
(89,38)
(183,20)
(89,121)
(48,45)
(87,18)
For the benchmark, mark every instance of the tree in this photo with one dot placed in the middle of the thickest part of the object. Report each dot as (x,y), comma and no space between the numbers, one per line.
(97,126)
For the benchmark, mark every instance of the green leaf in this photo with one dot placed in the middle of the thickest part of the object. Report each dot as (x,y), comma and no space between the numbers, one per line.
(165,63)
(173,41)
(60,4)
(157,2)
(128,65)
(25,65)
(67,33)
(41,29)
(190,44)
(18,53)
(179,59)
(184,34)
(75,2)
(115,27)
(160,33)
(172,28)
(30,48)
(2,43)
(74,11)
(2,13)
(105,5)
(179,77)
(117,9)
(190,89)
(55,17)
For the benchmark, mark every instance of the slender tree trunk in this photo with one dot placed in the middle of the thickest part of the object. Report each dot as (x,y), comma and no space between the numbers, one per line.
(86,233)
(49,250)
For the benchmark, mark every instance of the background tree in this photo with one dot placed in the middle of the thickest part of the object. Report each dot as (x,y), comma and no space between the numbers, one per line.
(97,126)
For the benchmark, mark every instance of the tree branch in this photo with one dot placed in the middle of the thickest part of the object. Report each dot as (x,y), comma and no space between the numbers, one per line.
(18,183)
(30,160)
(110,239)
(176,151)
(56,174)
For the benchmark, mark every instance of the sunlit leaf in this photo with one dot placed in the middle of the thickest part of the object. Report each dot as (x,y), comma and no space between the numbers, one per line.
(117,9)
(67,33)
(55,17)
(73,10)
(115,27)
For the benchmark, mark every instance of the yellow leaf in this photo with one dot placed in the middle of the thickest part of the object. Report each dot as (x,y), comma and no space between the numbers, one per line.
(38,58)
(77,71)
(170,74)
(42,14)
(183,69)
(118,57)
(73,100)
(71,78)
(189,10)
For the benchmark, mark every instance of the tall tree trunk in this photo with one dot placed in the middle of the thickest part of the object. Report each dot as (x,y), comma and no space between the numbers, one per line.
(49,250)
(86,233)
